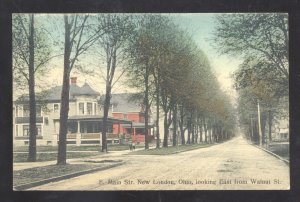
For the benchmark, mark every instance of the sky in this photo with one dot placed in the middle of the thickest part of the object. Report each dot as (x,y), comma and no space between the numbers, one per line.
(199,25)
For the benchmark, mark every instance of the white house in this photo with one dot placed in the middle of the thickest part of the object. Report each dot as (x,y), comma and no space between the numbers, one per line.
(84,121)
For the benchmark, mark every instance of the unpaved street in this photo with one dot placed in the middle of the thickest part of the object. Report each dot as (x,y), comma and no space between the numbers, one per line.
(231,165)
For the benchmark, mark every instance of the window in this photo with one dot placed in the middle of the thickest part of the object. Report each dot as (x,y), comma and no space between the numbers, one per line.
(17,131)
(17,111)
(140,131)
(25,110)
(26,130)
(109,129)
(46,120)
(38,110)
(81,108)
(56,108)
(284,136)
(90,127)
(89,108)
(72,127)
(95,108)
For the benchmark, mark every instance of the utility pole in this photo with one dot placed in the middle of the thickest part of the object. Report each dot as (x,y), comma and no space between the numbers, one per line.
(251,119)
(259,125)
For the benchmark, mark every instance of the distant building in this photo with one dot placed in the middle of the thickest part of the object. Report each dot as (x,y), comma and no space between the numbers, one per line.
(281,132)
(123,106)
(84,122)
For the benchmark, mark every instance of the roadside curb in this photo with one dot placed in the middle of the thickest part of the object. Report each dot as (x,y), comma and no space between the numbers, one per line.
(63,177)
(175,152)
(273,154)
(182,151)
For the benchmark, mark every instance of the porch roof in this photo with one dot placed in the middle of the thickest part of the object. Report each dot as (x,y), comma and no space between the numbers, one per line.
(137,125)
(97,118)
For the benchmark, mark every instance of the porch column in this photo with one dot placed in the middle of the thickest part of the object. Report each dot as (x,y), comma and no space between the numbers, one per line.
(131,131)
(78,134)
(134,134)
(55,135)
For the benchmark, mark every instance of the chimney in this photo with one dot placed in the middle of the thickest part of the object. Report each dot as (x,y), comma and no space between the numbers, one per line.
(73,80)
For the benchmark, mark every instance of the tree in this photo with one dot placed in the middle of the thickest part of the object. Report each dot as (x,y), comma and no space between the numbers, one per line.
(165,63)
(148,56)
(262,41)
(117,29)
(260,36)
(175,70)
(30,55)
(77,41)
(260,87)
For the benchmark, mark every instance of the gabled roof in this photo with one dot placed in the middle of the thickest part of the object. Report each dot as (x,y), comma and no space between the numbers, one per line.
(86,90)
(124,102)
(54,93)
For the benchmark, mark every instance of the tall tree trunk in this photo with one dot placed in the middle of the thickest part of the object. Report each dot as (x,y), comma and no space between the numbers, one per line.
(205,129)
(181,132)
(193,133)
(256,133)
(252,127)
(192,127)
(146,107)
(263,127)
(181,126)
(64,110)
(196,132)
(166,129)
(105,116)
(32,103)
(200,127)
(110,71)
(157,117)
(270,125)
(222,134)
(189,125)
(175,125)
(210,131)
(213,135)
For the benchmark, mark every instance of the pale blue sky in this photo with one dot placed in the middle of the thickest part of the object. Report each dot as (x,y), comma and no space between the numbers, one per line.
(201,26)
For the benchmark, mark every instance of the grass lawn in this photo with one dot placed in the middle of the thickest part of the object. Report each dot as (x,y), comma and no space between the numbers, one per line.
(75,148)
(169,150)
(40,173)
(22,157)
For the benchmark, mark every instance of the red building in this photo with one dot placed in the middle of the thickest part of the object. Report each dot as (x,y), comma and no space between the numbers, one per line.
(123,106)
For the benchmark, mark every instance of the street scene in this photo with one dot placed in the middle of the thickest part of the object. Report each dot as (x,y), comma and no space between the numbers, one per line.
(238,166)
(165,101)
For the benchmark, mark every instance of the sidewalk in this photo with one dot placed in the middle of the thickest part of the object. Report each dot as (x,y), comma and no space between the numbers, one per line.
(101,156)
(28,174)
(272,153)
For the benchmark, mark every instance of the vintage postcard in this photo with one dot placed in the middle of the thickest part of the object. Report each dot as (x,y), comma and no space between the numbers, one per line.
(164,101)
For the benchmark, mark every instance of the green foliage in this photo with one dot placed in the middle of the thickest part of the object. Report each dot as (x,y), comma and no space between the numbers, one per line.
(261,38)
(178,70)
(42,49)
